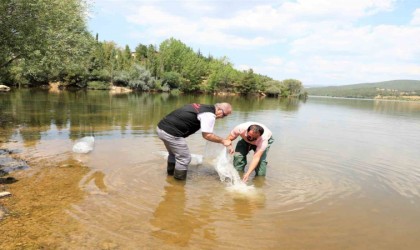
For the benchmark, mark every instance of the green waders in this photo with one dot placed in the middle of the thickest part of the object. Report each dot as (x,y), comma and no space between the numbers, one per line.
(241,151)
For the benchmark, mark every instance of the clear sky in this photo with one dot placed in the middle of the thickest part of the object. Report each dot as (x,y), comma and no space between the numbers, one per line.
(319,42)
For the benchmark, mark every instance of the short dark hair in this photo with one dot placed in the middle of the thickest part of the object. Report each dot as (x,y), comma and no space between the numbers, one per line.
(256,128)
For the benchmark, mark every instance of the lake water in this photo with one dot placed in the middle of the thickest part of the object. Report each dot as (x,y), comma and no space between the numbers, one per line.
(342,174)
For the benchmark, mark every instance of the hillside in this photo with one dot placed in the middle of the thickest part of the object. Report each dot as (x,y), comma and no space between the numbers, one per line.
(395,89)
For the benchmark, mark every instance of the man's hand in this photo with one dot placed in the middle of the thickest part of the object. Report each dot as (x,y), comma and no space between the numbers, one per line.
(230,149)
(246,176)
(227,142)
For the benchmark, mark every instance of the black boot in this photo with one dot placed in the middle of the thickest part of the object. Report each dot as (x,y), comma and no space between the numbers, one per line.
(180,174)
(170,169)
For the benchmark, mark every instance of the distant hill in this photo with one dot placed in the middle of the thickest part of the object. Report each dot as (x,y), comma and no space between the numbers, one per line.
(389,90)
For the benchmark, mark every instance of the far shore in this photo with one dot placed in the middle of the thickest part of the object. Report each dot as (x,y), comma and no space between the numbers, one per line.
(384,98)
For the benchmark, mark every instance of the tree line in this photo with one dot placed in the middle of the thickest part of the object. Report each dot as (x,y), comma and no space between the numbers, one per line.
(44,41)
(393,88)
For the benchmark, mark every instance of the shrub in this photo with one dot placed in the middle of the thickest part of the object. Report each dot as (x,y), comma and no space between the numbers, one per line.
(273,91)
(172,79)
(98,85)
(175,92)
(100,75)
(121,78)
(140,78)
(165,88)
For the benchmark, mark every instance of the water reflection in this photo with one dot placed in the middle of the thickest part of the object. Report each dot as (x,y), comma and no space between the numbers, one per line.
(172,222)
(30,112)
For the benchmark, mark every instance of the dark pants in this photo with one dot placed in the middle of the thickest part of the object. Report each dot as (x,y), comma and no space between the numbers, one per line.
(241,151)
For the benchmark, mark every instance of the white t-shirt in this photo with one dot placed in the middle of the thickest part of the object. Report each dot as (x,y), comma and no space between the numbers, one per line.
(261,142)
(207,120)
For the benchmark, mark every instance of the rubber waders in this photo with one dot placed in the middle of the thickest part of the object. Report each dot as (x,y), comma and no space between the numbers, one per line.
(171,168)
(180,174)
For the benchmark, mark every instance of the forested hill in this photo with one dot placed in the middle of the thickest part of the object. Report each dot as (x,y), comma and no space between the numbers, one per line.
(389,89)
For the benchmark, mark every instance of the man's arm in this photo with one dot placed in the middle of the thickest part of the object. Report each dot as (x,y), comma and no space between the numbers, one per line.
(254,163)
(230,147)
(214,138)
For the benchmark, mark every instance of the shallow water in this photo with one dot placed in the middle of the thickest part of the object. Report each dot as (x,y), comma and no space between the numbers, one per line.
(343,173)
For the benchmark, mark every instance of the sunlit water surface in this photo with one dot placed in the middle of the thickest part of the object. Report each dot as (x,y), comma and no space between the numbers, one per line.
(343,173)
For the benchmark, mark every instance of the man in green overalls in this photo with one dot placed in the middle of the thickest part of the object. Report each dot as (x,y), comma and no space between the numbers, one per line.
(255,136)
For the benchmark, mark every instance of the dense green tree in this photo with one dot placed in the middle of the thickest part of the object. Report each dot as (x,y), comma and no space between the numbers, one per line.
(97,60)
(141,53)
(127,57)
(47,38)
(175,56)
(293,87)
(109,55)
(194,69)
(261,82)
(172,53)
(273,88)
(248,84)
(22,29)
(97,68)
(222,75)
(152,62)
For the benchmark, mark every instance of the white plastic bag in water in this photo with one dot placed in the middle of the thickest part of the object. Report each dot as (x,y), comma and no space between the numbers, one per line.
(84,145)
(229,175)
(225,169)
(195,158)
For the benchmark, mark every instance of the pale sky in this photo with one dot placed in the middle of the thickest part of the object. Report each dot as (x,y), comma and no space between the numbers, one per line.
(319,42)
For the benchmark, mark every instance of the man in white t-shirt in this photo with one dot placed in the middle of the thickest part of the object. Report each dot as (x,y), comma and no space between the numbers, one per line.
(183,122)
(255,136)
